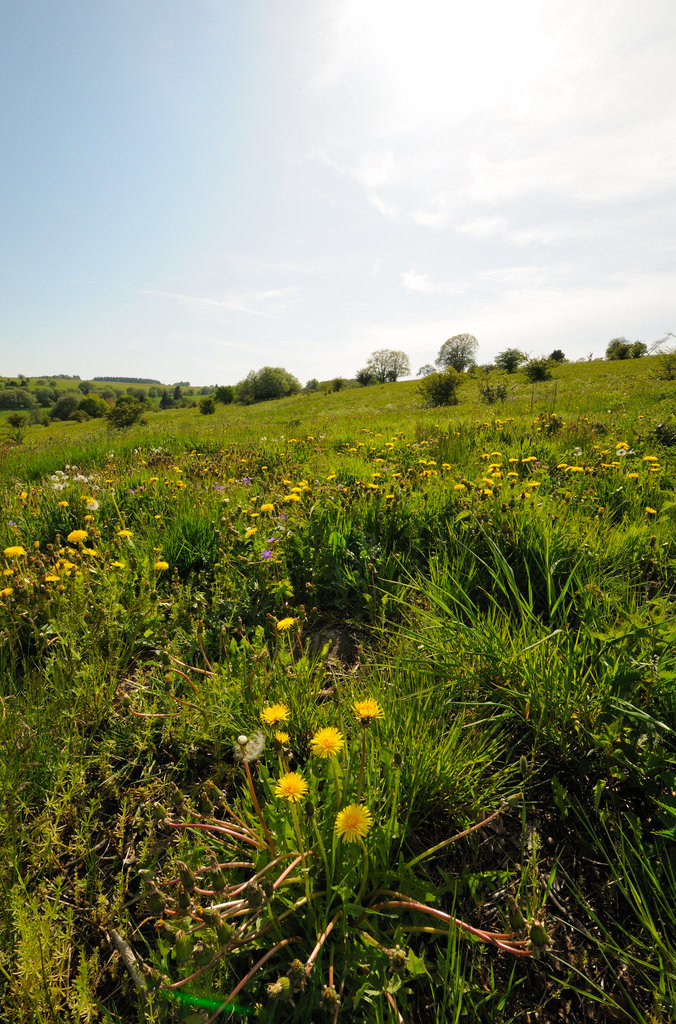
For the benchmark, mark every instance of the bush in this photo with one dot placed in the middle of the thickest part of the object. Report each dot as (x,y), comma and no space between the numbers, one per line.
(510,360)
(557,356)
(364,377)
(224,394)
(440,388)
(127,411)
(621,348)
(66,405)
(93,405)
(666,368)
(265,384)
(490,393)
(536,370)
(207,406)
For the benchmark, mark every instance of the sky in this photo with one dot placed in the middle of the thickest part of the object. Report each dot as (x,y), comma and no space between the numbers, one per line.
(191,189)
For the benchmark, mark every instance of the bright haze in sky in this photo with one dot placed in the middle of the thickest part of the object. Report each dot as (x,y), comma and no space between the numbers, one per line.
(191,189)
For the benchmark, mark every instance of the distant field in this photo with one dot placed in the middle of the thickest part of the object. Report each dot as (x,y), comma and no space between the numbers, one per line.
(339,707)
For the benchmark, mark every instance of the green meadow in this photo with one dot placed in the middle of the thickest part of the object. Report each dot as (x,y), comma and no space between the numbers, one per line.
(342,708)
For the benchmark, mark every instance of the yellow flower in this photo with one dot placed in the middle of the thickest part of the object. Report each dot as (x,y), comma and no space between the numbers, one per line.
(63,504)
(651,511)
(292,497)
(161,566)
(291,787)
(274,713)
(459,487)
(52,579)
(250,532)
(268,507)
(368,709)
(282,737)
(327,742)
(76,536)
(284,625)
(6,591)
(117,565)
(353,822)
(16,551)
(125,533)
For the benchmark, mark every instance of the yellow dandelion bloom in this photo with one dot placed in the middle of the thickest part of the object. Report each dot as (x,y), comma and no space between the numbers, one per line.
(459,487)
(368,709)
(353,822)
(63,504)
(52,579)
(282,737)
(291,787)
(250,532)
(292,497)
(117,565)
(125,533)
(327,742)
(15,551)
(161,566)
(77,536)
(284,625)
(651,511)
(274,713)
(268,507)
(6,591)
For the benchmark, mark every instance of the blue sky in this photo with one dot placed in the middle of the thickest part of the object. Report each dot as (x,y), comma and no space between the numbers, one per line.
(194,188)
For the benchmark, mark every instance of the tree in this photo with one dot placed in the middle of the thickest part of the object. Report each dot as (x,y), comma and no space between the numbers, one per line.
(510,360)
(265,384)
(536,370)
(165,401)
(126,411)
(440,388)
(458,352)
(65,405)
(638,349)
(425,370)
(207,405)
(93,405)
(364,377)
(388,364)
(225,394)
(177,393)
(557,356)
(618,348)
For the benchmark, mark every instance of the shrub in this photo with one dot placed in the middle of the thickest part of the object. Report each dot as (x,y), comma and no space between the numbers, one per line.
(127,411)
(536,370)
(490,393)
(225,394)
(207,405)
(510,360)
(265,384)
(440,388)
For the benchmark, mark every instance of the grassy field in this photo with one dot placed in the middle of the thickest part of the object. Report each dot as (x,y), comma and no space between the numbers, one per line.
(337,707)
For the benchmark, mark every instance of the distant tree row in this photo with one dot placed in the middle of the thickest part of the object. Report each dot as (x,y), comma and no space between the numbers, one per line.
(129,380)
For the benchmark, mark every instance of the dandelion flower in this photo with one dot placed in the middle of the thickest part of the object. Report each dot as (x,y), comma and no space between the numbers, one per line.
(77,536)
(353,822)
(63,504)
(250,532)
(651,511)
(327,742)
(160,566)
(282,737)
(6,591)
(52,579)
(268,507)
(250,748)
(274,714)
(292,787)
(117,565)
(368,709)
(292,497)
(16,551)
(125,533)
(284,625)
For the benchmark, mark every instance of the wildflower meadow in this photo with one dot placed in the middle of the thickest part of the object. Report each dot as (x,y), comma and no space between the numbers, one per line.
(343,708)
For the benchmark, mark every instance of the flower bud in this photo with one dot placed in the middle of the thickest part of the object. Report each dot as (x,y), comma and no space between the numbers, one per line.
(280,989)
(186,876)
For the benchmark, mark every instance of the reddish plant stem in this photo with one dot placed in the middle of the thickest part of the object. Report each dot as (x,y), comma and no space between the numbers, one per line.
(322,939)
(395,1008)
(238,988)
(266,830)
(477,932)
(220,829)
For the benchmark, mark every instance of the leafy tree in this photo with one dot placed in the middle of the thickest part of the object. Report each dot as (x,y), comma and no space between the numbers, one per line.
(364,377)
(312,385)
(65,405)
(557,356)
(165,401)
(440,388)
(177,393)
(17,424)
(425,370)
(265,384)
(93,405)
(16,398)
(536,370)
(126,411)
(388,364)
(510,360)
(618,348)
(207,405)
(458,352)
(638,349)
(225,394)
(85,387)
